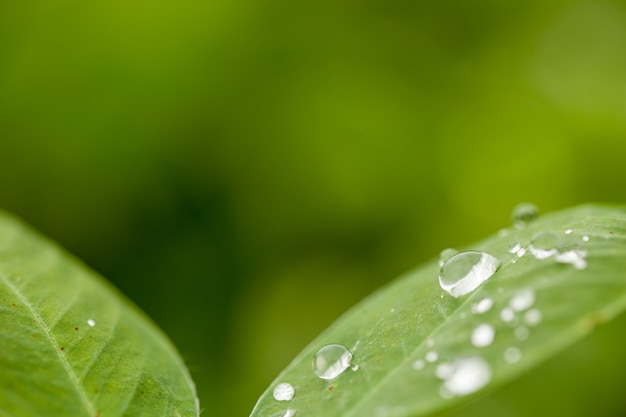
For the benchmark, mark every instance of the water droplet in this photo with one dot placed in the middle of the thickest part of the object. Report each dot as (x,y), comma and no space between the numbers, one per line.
(585,238)
(521,252)
(573,257)
(524,213)
(419,364)
(430,342)
(533,317)
(446,254)
(393,310)
(512,354)
(482,306)
(91,322)
(431,356)
(522,300)
(287,413)
(465,271)
(330,361)
(514,247)
(483,335)
(568,231)
(544,245)
(464,376)
(284,392)
(507,315)
(521,333)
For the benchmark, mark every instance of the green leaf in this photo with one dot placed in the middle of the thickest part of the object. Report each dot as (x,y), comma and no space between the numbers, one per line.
(391,332)
(72,345)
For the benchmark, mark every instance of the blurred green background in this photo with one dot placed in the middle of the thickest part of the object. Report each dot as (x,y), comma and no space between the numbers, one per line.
(247,170)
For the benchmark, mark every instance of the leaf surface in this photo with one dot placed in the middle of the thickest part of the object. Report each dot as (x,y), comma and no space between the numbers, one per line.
(72,345)
(406,338)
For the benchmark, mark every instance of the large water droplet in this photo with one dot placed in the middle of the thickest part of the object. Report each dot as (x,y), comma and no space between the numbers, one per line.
(483,335)
(544,245)
(446,254)
(524,213)
(464,376)
(330,361)
(284,392)
(465,271)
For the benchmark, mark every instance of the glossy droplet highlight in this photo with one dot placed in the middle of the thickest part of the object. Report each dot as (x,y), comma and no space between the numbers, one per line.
(524,213)
(464,376)
(330,361)
(544,245)
(482,306)
(465,271)
(446,254)
(419,364)
(91,322)
(431,356)
(483,335)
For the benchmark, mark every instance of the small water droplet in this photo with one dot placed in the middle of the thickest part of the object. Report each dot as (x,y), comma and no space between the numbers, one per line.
(465,271)
(585,238)
(284,392)
(482,306)
(446,254)
(533,317)
(568,231)
(483,335)
(521,252)
(287,413)
(91,322)
(514,247)
(430,342)
(573,257)
(393,310)
(544,245)
(521,333)
(330,361)
(507,315)
(431,356)
(522,300)
(512,354)
(419,364)
(463,376)
(524,213)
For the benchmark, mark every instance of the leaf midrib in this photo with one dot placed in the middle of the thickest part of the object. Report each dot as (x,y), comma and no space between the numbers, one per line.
(87,404)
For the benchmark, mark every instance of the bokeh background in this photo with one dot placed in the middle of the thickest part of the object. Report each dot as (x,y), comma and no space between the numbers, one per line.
(247,170)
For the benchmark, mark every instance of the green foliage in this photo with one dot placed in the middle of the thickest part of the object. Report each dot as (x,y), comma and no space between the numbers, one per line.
(392,330)
(73,346)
